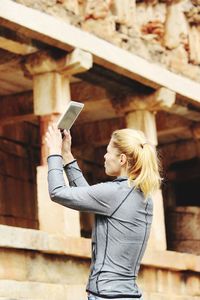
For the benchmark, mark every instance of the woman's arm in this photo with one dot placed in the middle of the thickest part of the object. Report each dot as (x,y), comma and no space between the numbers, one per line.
(102,198)
(75,175)
(62,146)
(99,198)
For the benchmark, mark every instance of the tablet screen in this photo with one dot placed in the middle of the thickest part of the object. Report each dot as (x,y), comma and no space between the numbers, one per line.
(68,118)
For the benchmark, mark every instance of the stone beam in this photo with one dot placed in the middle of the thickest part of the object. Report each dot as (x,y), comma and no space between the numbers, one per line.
(171,127)
(12,42)
(185,111)
(98,107)
(101,103)
(64,36)
(176,152)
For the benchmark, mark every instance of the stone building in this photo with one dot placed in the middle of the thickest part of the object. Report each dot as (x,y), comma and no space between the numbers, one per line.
(134,64)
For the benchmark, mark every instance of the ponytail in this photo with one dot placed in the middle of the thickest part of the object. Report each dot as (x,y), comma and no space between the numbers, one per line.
(143,164)
(148,177)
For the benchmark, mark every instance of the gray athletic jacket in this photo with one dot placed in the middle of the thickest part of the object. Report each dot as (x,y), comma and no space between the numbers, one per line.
(121,230)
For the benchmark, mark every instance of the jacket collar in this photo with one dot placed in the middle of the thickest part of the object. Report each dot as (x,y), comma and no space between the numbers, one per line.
(120,178)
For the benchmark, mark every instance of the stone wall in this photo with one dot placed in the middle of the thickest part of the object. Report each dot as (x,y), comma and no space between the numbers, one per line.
(19,156)
(36,265)
(183,229)
(166,32)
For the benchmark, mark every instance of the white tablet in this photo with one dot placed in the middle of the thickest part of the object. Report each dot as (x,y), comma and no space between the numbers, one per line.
(68,118)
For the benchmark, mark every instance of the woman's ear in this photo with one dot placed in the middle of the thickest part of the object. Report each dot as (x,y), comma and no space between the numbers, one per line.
(123,159)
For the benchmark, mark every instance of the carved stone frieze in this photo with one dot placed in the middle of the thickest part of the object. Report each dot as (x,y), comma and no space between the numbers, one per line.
(193,15)
(152,29)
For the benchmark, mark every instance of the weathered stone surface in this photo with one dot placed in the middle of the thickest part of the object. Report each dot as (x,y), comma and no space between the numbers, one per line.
(194,44)
(168,284)
(157,239)
(184,229)
(41,291)
(97,9)
(176,30)
(29,239)
(124,10)
(103,28)
(167,23)
(20,238)
(57,274)
(71,5)
(24,265)
(66,221)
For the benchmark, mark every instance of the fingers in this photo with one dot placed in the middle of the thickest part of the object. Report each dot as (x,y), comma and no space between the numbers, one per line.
(53,140)
(52,132)
(67,134)
(54,126)
(53,129)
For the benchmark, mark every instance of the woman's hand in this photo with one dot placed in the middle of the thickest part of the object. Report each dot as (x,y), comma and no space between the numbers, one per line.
(66,147)
(53,140)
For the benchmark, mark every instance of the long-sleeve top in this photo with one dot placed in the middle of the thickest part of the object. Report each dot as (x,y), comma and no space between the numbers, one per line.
(123,219)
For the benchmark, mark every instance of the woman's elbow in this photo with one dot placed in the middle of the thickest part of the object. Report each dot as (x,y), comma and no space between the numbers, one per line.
(54,194)
(58,195)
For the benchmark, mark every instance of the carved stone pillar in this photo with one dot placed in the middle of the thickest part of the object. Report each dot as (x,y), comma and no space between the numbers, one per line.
(143,118)
(51,91)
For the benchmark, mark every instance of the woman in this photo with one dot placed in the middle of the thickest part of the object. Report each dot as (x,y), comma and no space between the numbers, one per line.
(123,207)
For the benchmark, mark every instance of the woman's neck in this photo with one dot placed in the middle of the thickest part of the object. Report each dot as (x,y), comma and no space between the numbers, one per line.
(123,173)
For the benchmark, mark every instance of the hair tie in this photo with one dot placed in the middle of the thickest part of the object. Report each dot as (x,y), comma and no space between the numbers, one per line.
(142,145)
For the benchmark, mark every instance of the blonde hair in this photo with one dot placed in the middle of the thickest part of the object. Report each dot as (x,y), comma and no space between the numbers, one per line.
(143,164)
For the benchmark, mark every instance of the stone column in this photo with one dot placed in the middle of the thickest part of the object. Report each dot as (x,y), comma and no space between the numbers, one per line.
(51,93)
(143,118)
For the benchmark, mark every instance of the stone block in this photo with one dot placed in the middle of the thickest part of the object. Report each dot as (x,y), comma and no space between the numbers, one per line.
(173,296)
(50,268)
(28,239)
(184,229)
(97,9)
(147,279)
(176,283)
(71,5)
(176,28)
(157,239)
(51,93)
(11,289)
(191,246)
(103,28)
(193,286)
(12,266)
(124,10)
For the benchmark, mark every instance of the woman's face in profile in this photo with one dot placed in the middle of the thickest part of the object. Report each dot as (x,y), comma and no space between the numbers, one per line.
(112,161)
